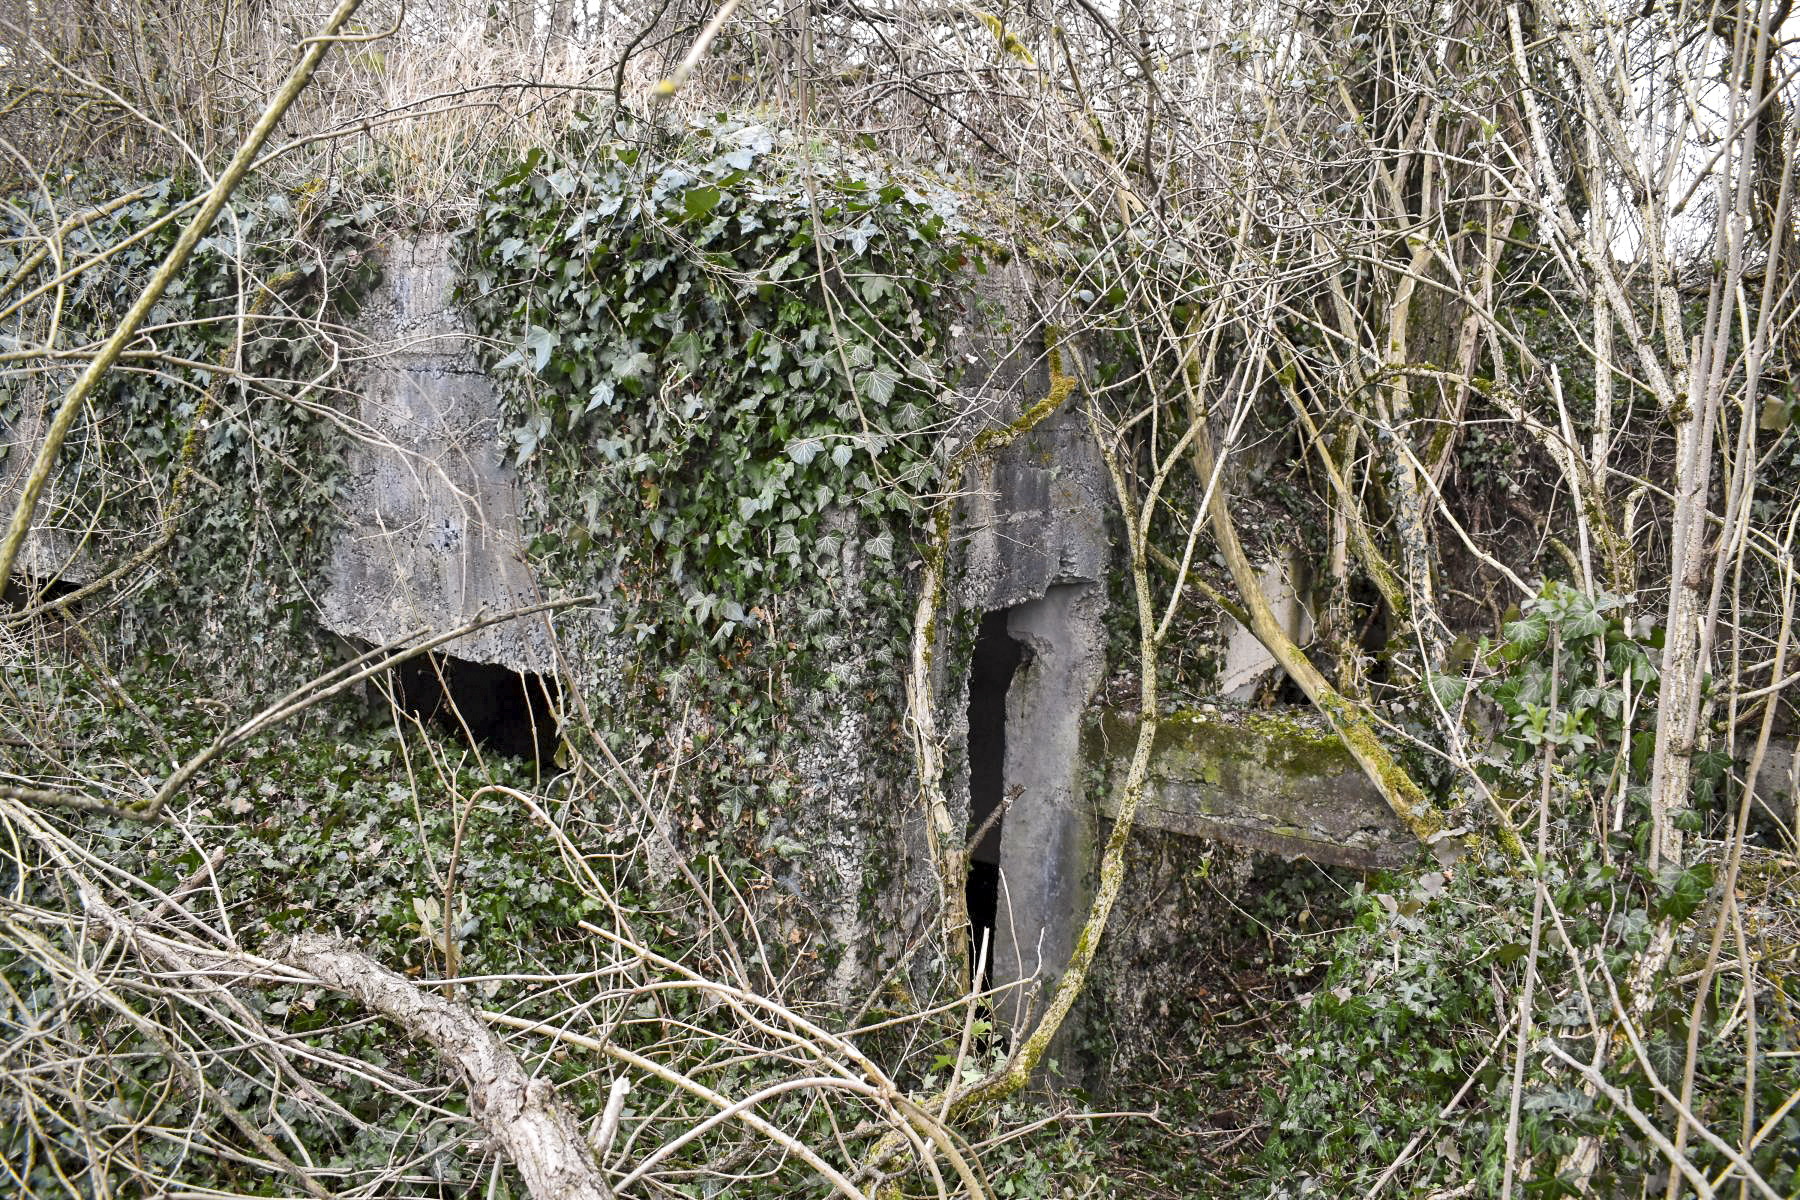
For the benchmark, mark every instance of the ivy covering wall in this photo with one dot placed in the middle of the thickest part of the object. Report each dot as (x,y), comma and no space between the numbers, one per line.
(213,433)
(723,353)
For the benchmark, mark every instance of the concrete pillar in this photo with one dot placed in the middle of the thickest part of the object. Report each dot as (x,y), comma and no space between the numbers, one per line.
(1047,840)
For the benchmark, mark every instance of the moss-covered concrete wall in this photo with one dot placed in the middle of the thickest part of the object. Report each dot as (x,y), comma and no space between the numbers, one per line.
(1273,780)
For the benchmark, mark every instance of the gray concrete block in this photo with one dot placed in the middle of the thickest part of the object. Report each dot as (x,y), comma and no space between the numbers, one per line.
(432,535)
(1277,782)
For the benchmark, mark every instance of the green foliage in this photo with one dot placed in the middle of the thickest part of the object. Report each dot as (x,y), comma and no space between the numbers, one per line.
(317,827)
(249,532)
(1055,1158)
(736,337)
(1418,998)
(1597,671)
(723,356)
(1409,1013)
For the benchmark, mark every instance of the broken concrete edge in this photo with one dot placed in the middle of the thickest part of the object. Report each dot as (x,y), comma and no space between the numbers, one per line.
(1245,662)
(1274,782)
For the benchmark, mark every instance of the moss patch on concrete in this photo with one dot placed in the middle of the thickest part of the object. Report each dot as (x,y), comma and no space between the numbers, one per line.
(1280,782)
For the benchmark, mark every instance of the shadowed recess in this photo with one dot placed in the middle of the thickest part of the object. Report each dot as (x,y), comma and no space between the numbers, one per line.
(508,712)
(996,658)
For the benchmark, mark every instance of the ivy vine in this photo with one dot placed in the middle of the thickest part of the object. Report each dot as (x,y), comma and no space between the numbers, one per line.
(724,353)
(249,537)
(740,337)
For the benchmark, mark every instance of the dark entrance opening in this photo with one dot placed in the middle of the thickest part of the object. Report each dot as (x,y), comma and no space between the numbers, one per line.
(27,592)
(509,712)
(997,657)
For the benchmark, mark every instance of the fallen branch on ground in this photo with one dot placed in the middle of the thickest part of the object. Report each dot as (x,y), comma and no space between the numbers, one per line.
(521,1113)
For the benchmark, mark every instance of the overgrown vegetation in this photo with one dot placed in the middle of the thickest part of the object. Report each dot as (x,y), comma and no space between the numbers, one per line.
(1482,313)
(724,341)
(727,384)
(209,457)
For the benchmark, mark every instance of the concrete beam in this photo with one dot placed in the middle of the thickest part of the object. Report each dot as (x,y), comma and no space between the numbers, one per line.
(1275,781)
(1777,783)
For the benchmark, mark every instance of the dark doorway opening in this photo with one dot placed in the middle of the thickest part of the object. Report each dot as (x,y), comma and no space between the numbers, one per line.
(996,659)
(512,713)
(26,592)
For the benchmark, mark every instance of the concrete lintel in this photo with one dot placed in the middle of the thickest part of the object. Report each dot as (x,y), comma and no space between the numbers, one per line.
(1278,782)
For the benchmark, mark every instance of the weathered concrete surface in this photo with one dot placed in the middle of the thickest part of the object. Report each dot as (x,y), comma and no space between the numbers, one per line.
(1033,517)
(1046,844)
(1777,781)
(1246,660)
(848,808)
(1029,539)
(432,537)
(1278,783)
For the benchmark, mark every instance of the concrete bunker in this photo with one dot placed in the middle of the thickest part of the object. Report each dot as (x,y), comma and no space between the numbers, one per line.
(508,712)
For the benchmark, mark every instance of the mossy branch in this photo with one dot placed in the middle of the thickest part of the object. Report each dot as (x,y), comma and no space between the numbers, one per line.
(1069,985)
(184,470)
(1029,1054)
(1353,727)
(1348,721)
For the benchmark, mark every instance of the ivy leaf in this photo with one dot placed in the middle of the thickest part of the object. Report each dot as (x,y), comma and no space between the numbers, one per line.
(1583,619)
(525,167)
(874,288)
(1448,689)
(1526,634)
(539,342)
(804,450)
(634,365)
(1687,894)
(698,202)
(881,383)
(861,236)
